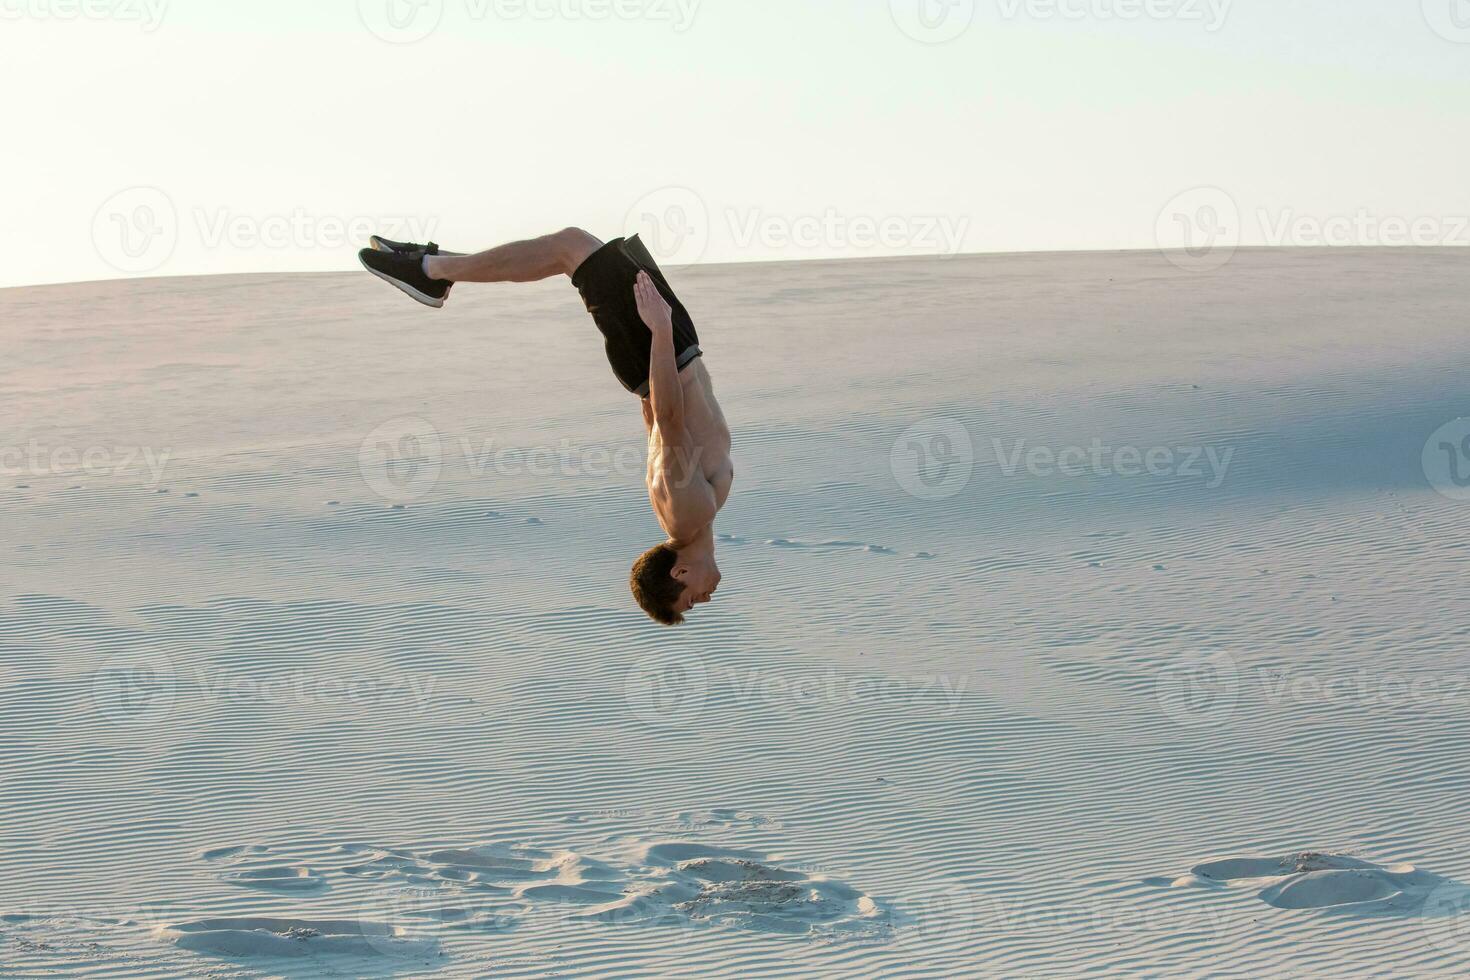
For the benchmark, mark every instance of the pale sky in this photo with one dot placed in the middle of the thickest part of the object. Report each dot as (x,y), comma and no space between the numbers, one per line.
(179,137)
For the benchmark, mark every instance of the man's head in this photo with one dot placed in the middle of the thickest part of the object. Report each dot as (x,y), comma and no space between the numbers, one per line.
(668,583)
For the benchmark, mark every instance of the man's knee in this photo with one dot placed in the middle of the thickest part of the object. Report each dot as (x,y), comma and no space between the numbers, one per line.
(576,246)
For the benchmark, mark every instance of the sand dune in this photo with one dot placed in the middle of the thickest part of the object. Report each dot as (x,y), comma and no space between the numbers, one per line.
(1081,615)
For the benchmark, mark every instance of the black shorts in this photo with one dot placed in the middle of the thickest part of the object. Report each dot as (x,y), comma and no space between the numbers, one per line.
(605,281)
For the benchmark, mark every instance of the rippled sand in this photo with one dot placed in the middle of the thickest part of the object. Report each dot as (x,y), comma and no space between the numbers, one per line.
(1081,615)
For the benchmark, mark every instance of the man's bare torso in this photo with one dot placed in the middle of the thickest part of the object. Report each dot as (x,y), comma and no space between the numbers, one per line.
(689,477)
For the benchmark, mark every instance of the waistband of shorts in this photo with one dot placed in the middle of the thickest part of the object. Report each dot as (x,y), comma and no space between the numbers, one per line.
(684,360)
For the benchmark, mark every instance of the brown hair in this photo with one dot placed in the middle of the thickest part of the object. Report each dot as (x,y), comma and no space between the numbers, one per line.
(655,587)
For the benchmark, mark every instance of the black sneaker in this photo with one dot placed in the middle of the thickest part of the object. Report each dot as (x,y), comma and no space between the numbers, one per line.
(406,271)
(388,245)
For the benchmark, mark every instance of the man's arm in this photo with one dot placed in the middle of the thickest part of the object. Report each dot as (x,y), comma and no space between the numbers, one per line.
(664,389)
(690,499)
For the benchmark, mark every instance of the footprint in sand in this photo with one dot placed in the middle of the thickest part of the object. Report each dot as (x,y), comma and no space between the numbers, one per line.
(1327,882)
(683,884)
(412,894)
(521,874)
(256,867)
(306,938)
(672,882)
(727,818)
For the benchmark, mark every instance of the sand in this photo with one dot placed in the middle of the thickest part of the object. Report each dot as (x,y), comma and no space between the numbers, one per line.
(1081,615)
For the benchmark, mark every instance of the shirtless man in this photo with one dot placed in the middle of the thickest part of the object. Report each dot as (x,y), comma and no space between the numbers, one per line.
(654,351)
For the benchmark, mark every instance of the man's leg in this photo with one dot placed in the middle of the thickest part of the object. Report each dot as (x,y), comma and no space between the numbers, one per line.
(540,258)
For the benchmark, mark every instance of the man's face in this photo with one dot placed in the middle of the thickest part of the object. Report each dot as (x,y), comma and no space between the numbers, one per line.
(700,582)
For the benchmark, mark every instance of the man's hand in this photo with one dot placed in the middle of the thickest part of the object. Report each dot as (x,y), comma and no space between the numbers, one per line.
(656,314)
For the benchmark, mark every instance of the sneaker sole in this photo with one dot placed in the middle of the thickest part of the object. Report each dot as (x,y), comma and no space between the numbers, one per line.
(424,298)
